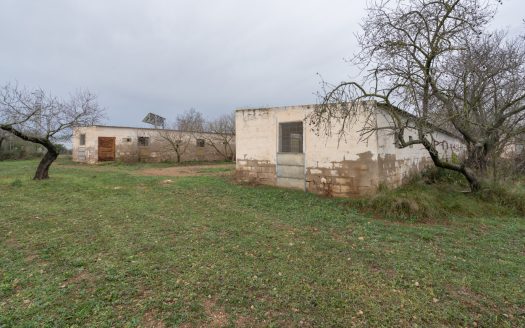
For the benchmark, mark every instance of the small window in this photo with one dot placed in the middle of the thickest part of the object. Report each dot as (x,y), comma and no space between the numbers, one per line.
(410,139)
(143,141)
(291,137)
(200,143)
(83,139)
(126,139)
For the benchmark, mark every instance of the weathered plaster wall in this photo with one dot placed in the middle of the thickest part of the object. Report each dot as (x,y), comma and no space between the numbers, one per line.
(337,167)
(396,165)
(129,151)
(341,167)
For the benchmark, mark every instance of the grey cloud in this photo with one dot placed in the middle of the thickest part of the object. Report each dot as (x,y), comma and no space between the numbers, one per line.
(168,56)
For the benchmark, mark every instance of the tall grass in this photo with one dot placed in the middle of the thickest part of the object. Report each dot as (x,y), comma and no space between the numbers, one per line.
(438,195)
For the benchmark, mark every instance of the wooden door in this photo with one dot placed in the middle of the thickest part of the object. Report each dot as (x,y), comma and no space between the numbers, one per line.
(106,149)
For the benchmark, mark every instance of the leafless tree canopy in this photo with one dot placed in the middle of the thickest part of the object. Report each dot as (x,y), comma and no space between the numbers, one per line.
(223,134)
(190,121)
(177,141)
(218,133)
(429,65)
(483,92)
(41,118)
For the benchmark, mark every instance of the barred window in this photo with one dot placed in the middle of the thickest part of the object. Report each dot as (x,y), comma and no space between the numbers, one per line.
(291,137)
(200,142)
(143,141)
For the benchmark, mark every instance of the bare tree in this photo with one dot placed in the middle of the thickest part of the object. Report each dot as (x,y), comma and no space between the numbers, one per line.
(176,139)
(482,91)
(38,117)
(190,121)
(218,134)
(221,135)
(414,53)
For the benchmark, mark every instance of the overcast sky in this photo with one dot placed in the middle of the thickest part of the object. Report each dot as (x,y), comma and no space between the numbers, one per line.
(166,56)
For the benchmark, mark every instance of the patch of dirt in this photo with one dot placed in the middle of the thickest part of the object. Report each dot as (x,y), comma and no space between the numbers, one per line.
(92,167)
(150,320)
(468,298)
(218,317)
(32,258)
(186,171)
(245,321)
(12,242)
(145,294)
(82,276)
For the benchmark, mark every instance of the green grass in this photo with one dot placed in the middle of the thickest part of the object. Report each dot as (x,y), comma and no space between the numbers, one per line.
(103,247)
(441,202)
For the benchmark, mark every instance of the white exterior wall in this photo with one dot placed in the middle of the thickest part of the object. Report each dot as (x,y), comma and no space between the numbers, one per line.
(94,132)
(257,132)
(397,164)
(158,149)
(345,167)
(332,166)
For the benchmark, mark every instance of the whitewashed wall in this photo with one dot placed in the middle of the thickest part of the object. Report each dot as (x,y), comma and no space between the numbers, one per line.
(341,167)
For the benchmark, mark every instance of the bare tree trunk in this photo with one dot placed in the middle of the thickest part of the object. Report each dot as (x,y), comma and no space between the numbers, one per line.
(42,172)
(473,181)
(2,139)
(494,167)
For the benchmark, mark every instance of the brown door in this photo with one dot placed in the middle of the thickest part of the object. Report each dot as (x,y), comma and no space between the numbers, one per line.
(106,149)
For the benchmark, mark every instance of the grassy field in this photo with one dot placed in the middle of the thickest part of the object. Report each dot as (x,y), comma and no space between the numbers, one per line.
(104,246)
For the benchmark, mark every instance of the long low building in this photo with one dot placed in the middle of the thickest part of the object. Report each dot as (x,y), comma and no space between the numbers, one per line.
(100,143)
(276,146)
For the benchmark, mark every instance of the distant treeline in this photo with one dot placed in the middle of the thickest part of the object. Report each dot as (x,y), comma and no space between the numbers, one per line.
(12,148)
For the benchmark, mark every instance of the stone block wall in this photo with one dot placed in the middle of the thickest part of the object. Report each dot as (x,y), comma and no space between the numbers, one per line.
(252,171)
(127,148)
(348,166)
(349,178)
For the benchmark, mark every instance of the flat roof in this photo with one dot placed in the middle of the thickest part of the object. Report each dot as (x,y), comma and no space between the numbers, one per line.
(140,128)
(276,107)
(437,129)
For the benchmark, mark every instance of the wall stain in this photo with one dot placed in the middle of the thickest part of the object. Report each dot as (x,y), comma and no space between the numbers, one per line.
(347,178)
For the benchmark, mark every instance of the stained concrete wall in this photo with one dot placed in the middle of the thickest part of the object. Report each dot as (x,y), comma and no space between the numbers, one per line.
(129,151)
(332,166)
(396,165)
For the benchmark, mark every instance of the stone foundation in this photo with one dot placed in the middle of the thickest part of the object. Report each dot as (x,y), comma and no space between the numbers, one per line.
(350,178)
(255,171)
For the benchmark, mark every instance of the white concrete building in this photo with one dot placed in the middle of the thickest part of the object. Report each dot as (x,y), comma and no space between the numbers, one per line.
(277,146)
(98,143)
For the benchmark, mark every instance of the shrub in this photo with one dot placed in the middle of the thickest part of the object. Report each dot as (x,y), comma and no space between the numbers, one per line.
(438,196)
(438,175)
(16,183)
(505,195)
